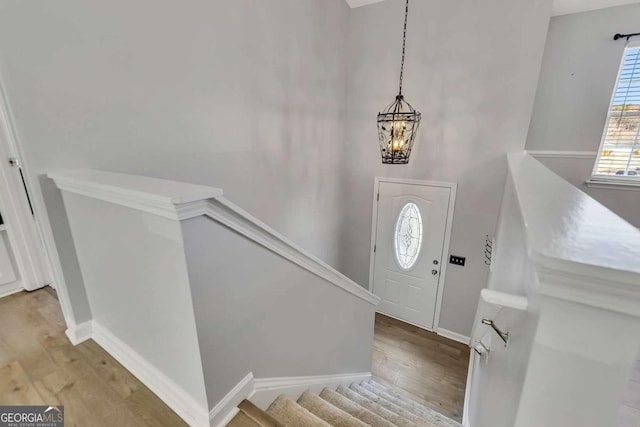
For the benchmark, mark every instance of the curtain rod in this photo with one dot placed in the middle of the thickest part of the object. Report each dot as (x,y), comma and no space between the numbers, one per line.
(623,36)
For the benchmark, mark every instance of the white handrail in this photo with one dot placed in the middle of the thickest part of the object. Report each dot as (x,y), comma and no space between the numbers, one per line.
(181,201)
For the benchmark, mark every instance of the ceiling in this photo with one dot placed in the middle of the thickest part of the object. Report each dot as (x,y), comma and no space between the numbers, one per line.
(560,7)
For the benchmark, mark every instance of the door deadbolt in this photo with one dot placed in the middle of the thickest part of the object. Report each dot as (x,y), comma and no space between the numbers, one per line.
(434,272)
(435,262)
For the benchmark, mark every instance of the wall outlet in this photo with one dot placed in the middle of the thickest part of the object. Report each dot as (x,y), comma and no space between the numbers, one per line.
(457,260)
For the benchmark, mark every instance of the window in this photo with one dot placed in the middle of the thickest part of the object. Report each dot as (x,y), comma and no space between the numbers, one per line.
(408,236)
(619,154)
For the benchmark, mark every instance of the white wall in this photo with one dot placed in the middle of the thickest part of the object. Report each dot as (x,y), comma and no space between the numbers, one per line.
(471,69)
(259,312)
(137,283)
(578,75)
(243,94)
(497,378)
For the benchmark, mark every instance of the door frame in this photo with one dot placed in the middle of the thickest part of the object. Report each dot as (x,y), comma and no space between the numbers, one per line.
(10,147)
(452,187)
(23,228)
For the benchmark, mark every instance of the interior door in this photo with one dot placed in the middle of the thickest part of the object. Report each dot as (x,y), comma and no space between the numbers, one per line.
(409,250)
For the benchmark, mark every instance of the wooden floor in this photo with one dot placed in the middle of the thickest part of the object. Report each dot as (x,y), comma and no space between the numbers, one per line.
(39,366)
(426,367)
(433,370)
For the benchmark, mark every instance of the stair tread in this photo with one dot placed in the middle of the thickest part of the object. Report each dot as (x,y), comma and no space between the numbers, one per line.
(353,408)
(290,414)
(258,415)
(400,416)
(393,392)
(424,413)
(328,412)
(242,420)
(403,397)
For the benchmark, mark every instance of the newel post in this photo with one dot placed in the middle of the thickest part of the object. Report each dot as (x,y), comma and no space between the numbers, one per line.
(586,344)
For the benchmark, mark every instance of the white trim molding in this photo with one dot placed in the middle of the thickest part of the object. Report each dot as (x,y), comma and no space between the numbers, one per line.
(233,217)
(167,390)
(11,288)
(181,201)
(226,408)
(157,196)
(627,185)
(267,389)
(540,154)
(80,332)
(466,417)
(453,336)
(262,392)
(17,209)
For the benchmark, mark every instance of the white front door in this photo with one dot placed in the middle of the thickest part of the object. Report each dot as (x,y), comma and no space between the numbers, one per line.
(409,249)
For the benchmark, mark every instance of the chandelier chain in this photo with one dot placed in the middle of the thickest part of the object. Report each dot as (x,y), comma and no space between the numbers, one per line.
(404,43)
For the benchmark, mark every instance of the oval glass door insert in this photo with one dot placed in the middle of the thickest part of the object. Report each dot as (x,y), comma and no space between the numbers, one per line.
(408,236)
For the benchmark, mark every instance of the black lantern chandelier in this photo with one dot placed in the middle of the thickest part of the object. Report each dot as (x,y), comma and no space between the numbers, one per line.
(399,122)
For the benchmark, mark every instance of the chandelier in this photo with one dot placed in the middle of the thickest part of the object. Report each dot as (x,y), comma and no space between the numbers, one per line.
(398,123)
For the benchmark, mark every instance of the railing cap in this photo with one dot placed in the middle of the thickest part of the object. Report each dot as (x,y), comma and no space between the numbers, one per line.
(153,195)
(569,231)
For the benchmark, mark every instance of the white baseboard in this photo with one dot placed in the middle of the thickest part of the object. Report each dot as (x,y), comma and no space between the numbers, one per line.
(467,391)
(166,389)
(80,332)
(454,336)
(267,389)
(262,392)
(10,288)
(226,408)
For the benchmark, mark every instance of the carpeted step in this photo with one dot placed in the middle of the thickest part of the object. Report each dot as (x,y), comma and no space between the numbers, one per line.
(257,415)
(326,411)
(242,420)
(289,413)
(390,406)
(400,420)
(363,414)
(414,407)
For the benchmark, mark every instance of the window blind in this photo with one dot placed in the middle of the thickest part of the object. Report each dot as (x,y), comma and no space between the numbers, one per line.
(619,154)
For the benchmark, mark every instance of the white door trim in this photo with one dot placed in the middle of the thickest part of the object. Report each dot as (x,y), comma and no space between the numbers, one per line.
(24,234)
(447,233)
(10,147)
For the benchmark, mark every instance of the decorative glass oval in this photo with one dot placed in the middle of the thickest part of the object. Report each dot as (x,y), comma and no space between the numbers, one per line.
(407,240)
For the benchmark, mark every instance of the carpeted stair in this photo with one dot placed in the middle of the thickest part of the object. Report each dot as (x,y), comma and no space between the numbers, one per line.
(365,404)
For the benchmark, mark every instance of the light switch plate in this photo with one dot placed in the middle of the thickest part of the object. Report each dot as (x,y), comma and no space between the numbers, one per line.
(457,260)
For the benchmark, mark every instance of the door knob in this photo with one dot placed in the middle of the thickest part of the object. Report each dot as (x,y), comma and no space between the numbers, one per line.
(434,272)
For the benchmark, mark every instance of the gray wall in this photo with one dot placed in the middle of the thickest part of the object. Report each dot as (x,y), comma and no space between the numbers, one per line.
(471,69)
(246,95)
(269,316)
(578,75)
(138,287)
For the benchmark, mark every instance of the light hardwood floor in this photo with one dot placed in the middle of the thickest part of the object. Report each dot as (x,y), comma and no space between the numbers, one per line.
(426,367)
(39,366)
(433,370)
